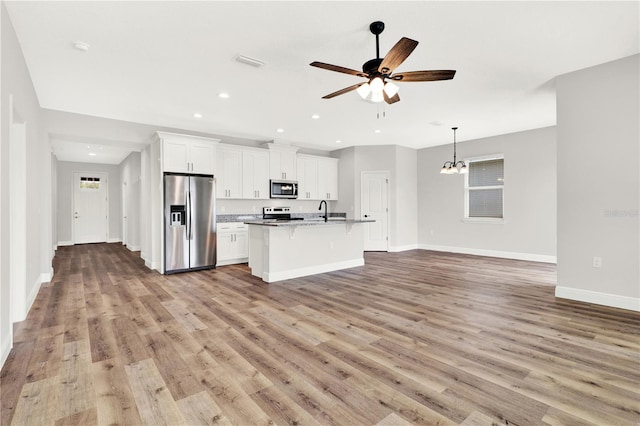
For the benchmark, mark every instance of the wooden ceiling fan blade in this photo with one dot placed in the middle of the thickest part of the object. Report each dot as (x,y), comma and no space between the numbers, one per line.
(434,75)
(337,68)
(397,55)
(343,91)
(391,100)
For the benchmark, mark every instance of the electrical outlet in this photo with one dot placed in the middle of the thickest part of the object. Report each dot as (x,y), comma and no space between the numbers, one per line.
(597,262)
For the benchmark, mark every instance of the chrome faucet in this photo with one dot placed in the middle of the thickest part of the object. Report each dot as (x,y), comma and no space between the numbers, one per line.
(326,215)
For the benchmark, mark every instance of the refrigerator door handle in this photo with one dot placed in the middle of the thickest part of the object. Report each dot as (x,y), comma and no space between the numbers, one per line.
(189,218)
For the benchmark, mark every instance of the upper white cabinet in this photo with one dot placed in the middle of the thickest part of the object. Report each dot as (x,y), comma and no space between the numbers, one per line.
(307,177)
(188,154)
(282,162)
(255,174)
(317,178)
(229,172)
(328,178)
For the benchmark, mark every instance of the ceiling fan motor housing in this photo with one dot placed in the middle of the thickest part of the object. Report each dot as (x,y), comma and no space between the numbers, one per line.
(371,67)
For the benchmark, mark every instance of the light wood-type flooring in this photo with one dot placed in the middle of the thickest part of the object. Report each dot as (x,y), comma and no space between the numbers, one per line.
(417,337)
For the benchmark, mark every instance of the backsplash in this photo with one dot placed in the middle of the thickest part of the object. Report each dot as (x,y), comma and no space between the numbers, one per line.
(254,207)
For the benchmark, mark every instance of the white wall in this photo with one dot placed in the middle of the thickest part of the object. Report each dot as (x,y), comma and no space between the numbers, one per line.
(529,228)
(598,184)
(35,208)
(65,199)
(130,183)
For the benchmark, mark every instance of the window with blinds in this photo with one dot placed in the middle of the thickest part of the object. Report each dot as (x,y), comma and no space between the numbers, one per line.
(484,188)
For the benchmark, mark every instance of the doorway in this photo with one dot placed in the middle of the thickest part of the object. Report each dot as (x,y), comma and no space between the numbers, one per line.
(375,205)
(90,207)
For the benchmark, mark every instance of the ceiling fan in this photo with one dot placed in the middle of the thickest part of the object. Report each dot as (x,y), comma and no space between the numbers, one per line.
(378,72)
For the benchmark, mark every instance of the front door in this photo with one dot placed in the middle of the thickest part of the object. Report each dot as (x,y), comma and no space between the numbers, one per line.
(90,214)
(374,205)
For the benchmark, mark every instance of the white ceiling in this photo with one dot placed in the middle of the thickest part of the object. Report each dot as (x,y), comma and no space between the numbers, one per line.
(160,62)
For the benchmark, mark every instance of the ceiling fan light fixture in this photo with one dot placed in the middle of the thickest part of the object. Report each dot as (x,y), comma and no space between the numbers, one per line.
(390,89)
(364,90)
(377,85)
(377,96)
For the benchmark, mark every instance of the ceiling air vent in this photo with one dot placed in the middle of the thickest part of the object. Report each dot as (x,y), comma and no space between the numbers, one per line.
(250,61)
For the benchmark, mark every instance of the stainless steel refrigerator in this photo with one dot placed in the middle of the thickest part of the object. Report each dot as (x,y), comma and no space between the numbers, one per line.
(190,222)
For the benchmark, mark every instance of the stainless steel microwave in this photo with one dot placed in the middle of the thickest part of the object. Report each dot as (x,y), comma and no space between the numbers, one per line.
(284,188)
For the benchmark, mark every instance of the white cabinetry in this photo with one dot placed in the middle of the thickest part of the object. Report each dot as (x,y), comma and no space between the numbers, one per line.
(317,178)
(282,162)
(328,178)
(229,168)
(255,174)
(307,177)
(232,243)
(187,154)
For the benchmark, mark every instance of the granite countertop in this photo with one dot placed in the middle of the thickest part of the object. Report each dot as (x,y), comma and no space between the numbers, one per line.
(254,217)
(307,222)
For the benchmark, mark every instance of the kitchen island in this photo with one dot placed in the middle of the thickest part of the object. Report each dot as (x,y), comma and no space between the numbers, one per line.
(281,250)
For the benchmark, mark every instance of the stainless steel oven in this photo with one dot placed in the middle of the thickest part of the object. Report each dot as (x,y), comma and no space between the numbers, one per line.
(284,188)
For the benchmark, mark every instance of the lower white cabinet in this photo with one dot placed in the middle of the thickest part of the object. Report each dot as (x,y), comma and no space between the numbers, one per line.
(232,243)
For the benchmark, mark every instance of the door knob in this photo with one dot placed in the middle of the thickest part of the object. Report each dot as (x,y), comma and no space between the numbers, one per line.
(366,215)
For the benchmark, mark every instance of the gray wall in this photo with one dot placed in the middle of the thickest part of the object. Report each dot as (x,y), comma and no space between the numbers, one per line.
(65,198)
(406,188)
(401,164)
(529,228)
(598,183)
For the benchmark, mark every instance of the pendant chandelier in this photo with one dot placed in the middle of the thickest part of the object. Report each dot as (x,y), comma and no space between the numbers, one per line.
(454,167)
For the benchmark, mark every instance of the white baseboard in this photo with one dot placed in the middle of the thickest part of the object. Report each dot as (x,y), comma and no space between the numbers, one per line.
(5,348)
(114,240)
(21,315)
(152,265)
(393,249)
(492,253)
(311,270)
(132,248)
(65,243)
(598,298)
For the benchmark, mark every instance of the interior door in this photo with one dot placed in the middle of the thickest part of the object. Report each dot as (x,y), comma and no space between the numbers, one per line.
(90,214)
(374,205)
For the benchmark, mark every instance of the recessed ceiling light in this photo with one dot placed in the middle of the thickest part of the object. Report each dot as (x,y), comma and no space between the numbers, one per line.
(377,131)
(250,61)
(279,130)
(81,45)
(197,115)
(338,141)
(223,95)
(315,116)
(92,154)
